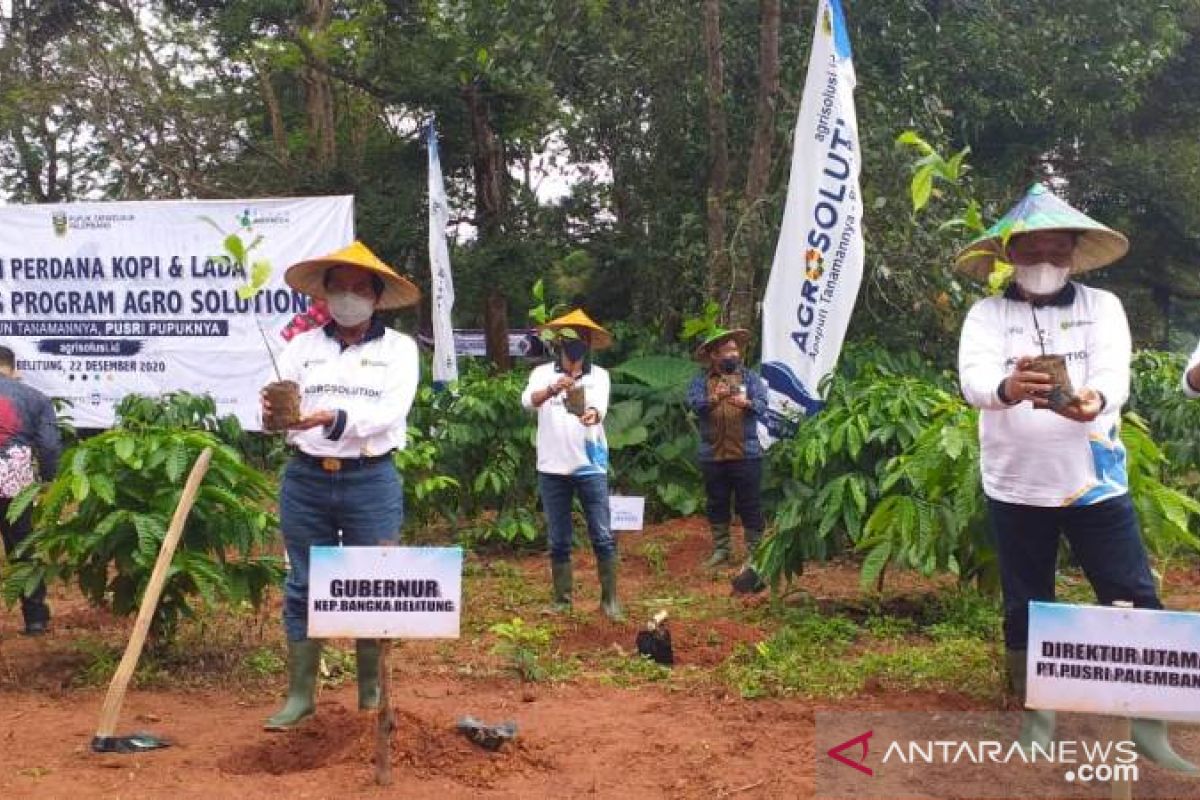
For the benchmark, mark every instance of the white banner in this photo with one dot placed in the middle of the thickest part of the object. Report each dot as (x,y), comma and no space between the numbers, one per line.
(445,365)
(1128,662)
(99,300)
(819,257)
(385,592)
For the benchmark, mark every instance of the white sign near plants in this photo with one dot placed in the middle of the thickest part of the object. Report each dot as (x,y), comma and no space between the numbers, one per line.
(385,592)
(626,512)
(1129,662)
(100,300)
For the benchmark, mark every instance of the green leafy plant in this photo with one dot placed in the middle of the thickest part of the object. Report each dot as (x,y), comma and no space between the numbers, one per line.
(429,494)
(481,439)
(64,421)
(890,470)
(1174,418)
(237,253)
(656,557)
(931,515)
(704,324)
(541,313)
(523,646)
(653,436)
(1167,515)
(932,167)
(101,522)
(822,484)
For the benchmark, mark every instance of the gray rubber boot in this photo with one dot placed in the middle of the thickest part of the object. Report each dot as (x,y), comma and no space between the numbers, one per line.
(721,551)
(1037,726)
(366,652)
(304,658)
(607,570)
(564,583)
(1150,736)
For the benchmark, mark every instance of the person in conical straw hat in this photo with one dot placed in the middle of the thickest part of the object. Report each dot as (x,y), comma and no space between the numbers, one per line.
(729,398)
(356,380)
(1047,363)
(570,397)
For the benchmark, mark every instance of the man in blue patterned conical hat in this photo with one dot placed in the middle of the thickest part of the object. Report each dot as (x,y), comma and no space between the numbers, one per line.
(1095,245)
(1047,364)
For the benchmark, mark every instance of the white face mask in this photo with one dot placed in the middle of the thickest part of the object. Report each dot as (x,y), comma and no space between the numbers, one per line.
(1041,279)
(350,309)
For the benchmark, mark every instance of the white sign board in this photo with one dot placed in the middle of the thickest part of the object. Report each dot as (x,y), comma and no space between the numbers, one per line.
(625,513)
(100,300)
(384,592)
(1129,662)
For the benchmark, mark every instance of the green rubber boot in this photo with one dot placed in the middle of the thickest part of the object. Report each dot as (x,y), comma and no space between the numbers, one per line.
(564,582)
(721,551)
(304,657)
(1150,737)
(607,570)
(1037,725)
(366,652)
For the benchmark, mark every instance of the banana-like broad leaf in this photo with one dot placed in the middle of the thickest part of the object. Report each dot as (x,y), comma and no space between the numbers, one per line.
(658,372)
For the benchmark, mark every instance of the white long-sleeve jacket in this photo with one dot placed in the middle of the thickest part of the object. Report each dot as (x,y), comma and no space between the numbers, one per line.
(1036,457)
(565,446)
(370,386)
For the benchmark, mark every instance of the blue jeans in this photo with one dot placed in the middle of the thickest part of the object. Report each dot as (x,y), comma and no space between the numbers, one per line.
(366,504)
(557,491)
(1104,538)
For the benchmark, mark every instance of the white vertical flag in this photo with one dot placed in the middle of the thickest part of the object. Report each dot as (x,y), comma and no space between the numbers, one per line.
(819,257)
(445,363)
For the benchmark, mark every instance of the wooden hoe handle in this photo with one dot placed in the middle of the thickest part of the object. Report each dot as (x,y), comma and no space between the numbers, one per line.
(137,639)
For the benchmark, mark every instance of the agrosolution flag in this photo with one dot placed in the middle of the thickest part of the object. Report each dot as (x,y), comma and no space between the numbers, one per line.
(445,363)
(819,257)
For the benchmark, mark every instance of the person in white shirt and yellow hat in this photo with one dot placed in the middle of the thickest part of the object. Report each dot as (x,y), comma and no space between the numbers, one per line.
(357,380)
(570,397)
(1047,363)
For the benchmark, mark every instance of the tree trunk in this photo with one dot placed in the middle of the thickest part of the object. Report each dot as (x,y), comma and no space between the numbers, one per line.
(758,173)
(318,90)
(718,283)
(495,330)
(491,209)
(488,161)
(1162,300)
(274,111)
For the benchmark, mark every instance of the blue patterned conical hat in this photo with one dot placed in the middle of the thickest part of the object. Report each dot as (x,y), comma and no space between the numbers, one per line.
(1042,210)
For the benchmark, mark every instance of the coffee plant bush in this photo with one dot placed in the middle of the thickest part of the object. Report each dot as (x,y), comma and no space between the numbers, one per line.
(100,523)
(890,470)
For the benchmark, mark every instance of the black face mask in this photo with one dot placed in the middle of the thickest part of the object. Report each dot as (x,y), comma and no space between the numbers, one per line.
(729,365)
(575,349)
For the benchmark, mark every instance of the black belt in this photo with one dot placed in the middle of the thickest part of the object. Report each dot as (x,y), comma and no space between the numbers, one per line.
(332,464)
